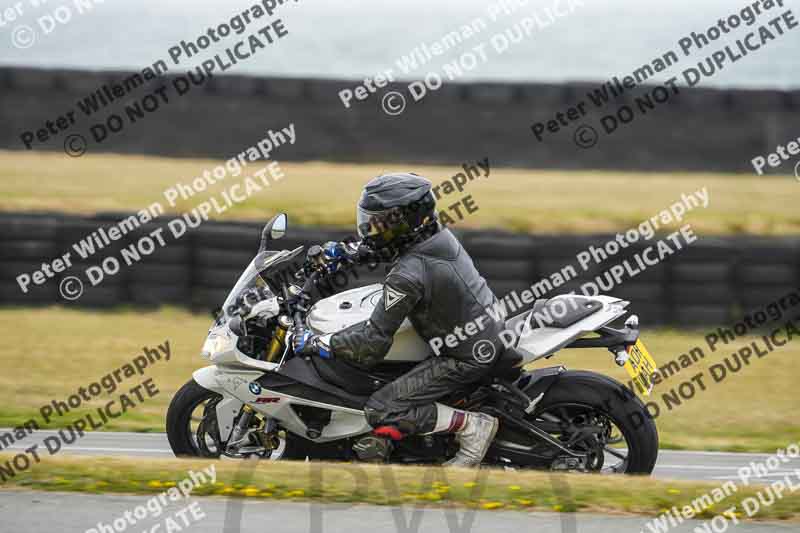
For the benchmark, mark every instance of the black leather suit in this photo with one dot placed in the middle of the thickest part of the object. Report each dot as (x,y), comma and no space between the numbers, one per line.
(436,286)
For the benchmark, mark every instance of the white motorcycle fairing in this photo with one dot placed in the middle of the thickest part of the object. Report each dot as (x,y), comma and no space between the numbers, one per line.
(535,341)
(235,375)
(342,310)
(239,387)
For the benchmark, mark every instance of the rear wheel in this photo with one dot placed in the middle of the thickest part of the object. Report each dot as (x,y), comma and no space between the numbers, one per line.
(596,416)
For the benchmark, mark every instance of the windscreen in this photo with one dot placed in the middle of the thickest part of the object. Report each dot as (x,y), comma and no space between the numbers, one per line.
(251,277)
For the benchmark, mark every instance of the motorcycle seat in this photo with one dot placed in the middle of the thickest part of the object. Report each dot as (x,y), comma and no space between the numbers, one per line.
(556,313)
(513,323)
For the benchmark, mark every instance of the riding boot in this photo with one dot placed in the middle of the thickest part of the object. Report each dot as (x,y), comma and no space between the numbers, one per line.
(474,433)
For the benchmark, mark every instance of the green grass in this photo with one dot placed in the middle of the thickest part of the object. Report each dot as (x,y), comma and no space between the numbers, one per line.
(488,489)
(318,193)
(56,350)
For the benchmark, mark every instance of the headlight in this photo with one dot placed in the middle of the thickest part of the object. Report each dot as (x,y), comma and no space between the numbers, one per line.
(218,341)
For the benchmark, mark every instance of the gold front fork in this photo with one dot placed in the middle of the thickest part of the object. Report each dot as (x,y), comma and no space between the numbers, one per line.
(277,344)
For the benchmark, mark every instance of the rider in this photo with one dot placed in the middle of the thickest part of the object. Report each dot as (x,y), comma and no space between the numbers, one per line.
(434,284)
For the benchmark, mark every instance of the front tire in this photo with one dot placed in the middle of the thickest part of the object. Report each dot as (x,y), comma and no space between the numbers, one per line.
(182,437)
(192,428)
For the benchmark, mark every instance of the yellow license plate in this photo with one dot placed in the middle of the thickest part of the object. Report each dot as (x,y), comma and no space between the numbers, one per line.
(640,367)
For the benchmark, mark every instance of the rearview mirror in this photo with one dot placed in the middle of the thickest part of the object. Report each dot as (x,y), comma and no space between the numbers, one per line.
(275,229)
(278,229)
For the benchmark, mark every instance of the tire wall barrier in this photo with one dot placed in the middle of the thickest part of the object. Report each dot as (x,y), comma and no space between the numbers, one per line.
(712,281)
(699,129)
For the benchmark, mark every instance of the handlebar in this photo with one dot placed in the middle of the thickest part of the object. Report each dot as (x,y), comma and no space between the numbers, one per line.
(321,261)
(298,301)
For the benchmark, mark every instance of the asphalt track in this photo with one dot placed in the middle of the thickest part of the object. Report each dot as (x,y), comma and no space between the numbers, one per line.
(40,512)
(45,512)
(701,466)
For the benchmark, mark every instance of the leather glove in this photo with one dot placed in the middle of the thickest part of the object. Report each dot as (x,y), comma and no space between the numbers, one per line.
(304,343)
(336,250)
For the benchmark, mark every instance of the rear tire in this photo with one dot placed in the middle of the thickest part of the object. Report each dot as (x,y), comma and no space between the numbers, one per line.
(612,399)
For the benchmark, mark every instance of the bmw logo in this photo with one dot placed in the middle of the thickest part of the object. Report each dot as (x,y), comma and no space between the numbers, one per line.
(255,388)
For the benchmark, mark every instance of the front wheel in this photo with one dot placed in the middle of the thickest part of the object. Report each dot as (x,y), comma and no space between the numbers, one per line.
(191,422)
(192,429)
(596,416)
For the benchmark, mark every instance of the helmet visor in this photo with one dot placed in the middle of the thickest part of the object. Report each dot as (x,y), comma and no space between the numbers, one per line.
(380,226)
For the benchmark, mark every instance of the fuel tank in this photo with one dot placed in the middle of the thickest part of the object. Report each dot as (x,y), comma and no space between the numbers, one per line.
(344,309)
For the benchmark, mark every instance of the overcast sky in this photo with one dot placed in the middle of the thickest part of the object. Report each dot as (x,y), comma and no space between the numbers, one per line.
(356,38)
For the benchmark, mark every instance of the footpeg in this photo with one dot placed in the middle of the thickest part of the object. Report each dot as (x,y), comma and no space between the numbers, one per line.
(314,429)
(565,463)
(373,448)
(533,403)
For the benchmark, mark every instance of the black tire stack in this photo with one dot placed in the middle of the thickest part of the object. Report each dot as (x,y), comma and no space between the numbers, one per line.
(219,255)
(24,243)
(711,281)
(508,262)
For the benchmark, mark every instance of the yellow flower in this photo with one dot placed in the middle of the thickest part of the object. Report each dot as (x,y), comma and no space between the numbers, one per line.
(250,491)
(432,496)
(514,487)
(673,491)
(154,484)
(557,508)
(469,484)
(491,505)
(228,490)
(523,501)
(169,483)
(295,493)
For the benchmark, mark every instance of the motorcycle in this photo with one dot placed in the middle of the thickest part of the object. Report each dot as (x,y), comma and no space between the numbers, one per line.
(259,399)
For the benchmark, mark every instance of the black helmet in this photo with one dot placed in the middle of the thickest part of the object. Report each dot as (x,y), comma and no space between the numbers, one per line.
(395,209)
